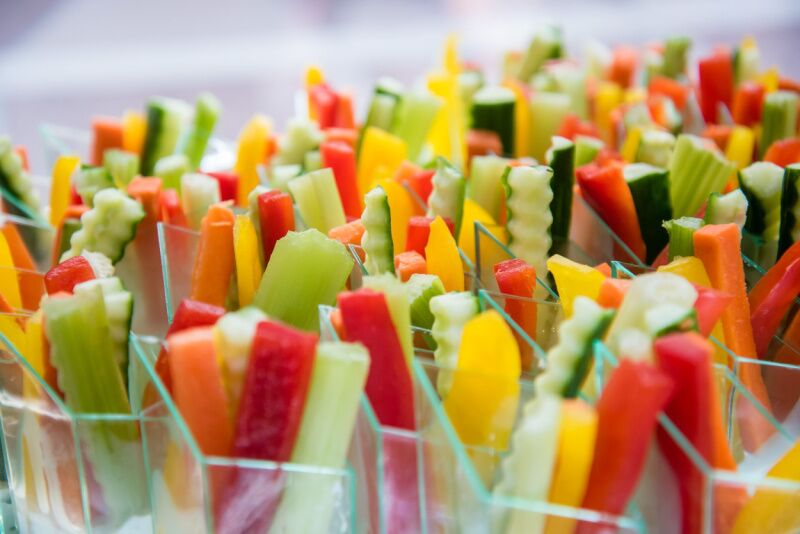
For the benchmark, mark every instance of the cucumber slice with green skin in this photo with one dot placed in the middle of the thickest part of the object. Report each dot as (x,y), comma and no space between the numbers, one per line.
(68,229)
(762,183)
(382,109)
(728,208)
(119,310)
(89,180)
(281,175)
(318,200)
(746,64)
(568,362)
(302,136)
(312,161)
(546,44)
(206,113)
(528,197)
(548,110)
(681,236)
(377,239)
(165,120)
(655,148)
(15,181)
(779,118)
(108,227)
(696,170)
(560,158)
(421,288)
(586,149)
(447,197)
(485,183)
(790,208)
(469,83)
(571,80)
(122,166)
(413,120)
(451,312)
(493,110)
(670,318)
(676,50)
(398,303)
(649,187)
(171,169)
(198,193)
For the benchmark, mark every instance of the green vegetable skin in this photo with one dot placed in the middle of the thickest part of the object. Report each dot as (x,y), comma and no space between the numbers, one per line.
(377,239)
(790,208)
(695,172)
(493,110)
(779,120)
(528,197)
(90,180)
(545,45)
(762,183)
(451,312)
(397,300)
(649,187)
(414,118)
(421,288)
(447,196)
(485,183)
(108,227)
(318,200)
(171,169)
(165,119)
(560,158)
(206,112)
(122,166)
(675,52)
(15,180)
(383,108)
(728,208)
(586,149)
(681,236)
(306,269)
(569,361)
(340,371)
(656,148)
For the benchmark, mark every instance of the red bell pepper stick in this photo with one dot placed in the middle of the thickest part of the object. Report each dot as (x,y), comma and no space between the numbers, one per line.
(341,158)
(228,184)
(273,398)
(344,111)
(517,278)
(623,66)
(710,305)
(783,152)
(418,180)
(172,210)
(606,191)
(106,134)
(483,143)
(276,216)
(748,102)
(695,409)
(348,136)
(366,319)
(768,315)
(66,275)
(719,133)
(325,102)
(572,126)
(764,286)
(624,431)
(716,83)
(148,192)
(419,228)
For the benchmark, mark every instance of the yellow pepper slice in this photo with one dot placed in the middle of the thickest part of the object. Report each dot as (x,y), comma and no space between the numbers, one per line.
(608,97)
(248,261)
(314,76)
(522,119)
(379,149)
(482,401)
(60,192)
(442,258)
(573,279)
(770,79)
(34,342)
(740,146)
(473,212)
(401,208)
(134,128)
(250,154)
(9,286)
(631,145)
(448,132)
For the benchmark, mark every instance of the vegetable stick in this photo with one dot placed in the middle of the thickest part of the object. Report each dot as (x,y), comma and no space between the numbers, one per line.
(214,263)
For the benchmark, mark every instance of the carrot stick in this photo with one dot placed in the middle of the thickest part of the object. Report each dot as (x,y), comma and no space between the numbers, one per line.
(214,263)
(408,263)
(148,192)
(31,284)
(106,133)
(718,247)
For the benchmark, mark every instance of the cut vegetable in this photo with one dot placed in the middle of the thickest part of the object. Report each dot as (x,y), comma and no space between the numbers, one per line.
(275,219)
(447,197)
(681,232)
(206,112)
(246,256)
(790,208)
(695,171)
(528,197)
(780,118)
(251,150)
(573,279)
(546,44)
(516,278)
(493,110)
(123,166)
(561,158)
(171,169)
(106,135)
(89,180)
(762,183)
(728,208)
(485,183)
(341,158)
(318,200)
(413,119)
(397,301)
(650,191)
(547,113)
(451,312)
(233,342)
(421,288)
(442,257)
(214,263)
(165,121)
(377,239)
(198,193)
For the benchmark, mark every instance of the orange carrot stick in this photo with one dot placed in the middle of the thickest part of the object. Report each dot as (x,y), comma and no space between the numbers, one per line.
(148,192)
(214,263)
(408,263)
(31,284)
(106,134)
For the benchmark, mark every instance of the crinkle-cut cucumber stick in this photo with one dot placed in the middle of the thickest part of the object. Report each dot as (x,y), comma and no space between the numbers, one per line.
(165,120)
(108,227)
(318,200)
(649,187)
(728,208)
(447,197)
(451,312)
(377,239)
(89,180)
(123,166)
(528,197)
(762,183)
(790,208)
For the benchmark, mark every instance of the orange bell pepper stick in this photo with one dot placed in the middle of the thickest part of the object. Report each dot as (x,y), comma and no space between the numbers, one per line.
(31,284)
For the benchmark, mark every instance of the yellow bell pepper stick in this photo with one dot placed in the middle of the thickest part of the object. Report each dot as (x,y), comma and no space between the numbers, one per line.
(9,286)
(774,510)
(60,193)
(482,401)
(635,95)
(248,262)
(442,258)
(573,279)
(34,342)
(448,133)
(740,146)
(608,97)
(473,212)
(522,119)
(451,64)
(576,436)
(134,128)
(631,145)
(770,79)
(401,207)
(250,154)
(314,76)
(379,149)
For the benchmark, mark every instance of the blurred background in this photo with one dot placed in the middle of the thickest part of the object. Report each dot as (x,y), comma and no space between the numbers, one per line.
(64,61)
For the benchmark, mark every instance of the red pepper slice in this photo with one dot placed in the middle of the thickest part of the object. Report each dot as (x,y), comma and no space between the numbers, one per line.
(67,274)
(484,142)
(783,152)
(623,66)
(366,319)
(228,184)
(719,133)
(768,315)
(422,184)
(419,229)
(325,102)
(773,276)
(716,83)
(270,411)
(345,117)
(341,158)
(710,305)
(624,432)
(748,102)
(276,217)
(572,126)
(171,209)
(517,278)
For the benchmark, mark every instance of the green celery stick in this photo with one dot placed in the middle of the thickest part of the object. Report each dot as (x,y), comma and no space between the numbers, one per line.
(780,118)
(675,51)
(546,44)
(681,236)
(198,192)
(206,113)
(398,303)
(281,175)
(547,112)
(696,171)
(485,185)
(16,182)
(171,169)
(318,200)
(123,166)
(413,119)
(571,80)
(306,269)
(302,135)
(340,371)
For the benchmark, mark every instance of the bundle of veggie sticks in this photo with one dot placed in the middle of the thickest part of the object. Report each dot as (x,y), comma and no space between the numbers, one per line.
(649,147)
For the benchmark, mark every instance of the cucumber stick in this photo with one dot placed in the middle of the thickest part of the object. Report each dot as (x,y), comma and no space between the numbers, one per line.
(198,193)
(547,110)
(318,200)
(790,208)
(101,265)
(382,109)
(281,175)
(233,340)
(89,180)
(302,136)
(762,183)
(108,227)
(421,288)
(528,197)
(728,208)
(649,187)
(377,238)
(447,197)
(586,149)
(413,120)
(14,180)
(493,110)
(681,236)
(561,158)
(171,169)
(122,166)
(779,120)
(485,183)
(696,170)
(451,312)
(165,121)
(676,50)
(655,147)
(398,303)
(312,161)
(340,372)
(546,44)
(306,269)
(668,318)
(569,361)
(206,113)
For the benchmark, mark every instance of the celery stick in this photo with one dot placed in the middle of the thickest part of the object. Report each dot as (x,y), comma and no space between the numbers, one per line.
(547,112)
(397,300)
(447,197)
(198,193)
(571,81)
(306,269)
(696,170)
(528,197)
(206,112)
(546,44)
(485,186)
(586,149)
(281,175)
(312,161)
(469,83)
(318,200)
(676,50)
(421,288)
(233,340)
(302,135)
(746,63)
(383,109)
(451,312)
(655,147)
(171,169)
(681,236)
(329,416)
(255,218)
(413,120)
(762,183)
(166,118)
(89,181)
(123,166)
(780,118)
